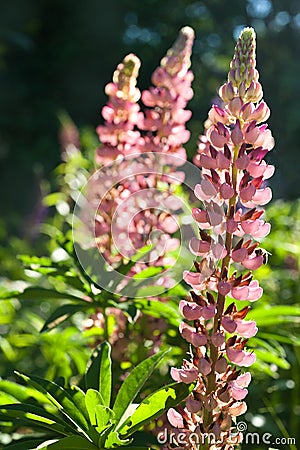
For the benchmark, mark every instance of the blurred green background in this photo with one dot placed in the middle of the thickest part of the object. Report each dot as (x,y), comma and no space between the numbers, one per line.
(58,55)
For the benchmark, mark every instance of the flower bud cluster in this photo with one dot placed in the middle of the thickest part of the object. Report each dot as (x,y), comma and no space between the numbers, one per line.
(233,187)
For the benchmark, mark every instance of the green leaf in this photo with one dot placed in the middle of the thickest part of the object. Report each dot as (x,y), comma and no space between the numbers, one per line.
(24,444)
(35,415)
(60,398)
(105,418)
(53,198)
(92,399)
(154,406)
(63,313)
(71,443)
(114,440)
(275,314)
(158,309)
(148,272)
(134,383)
(271,358)
(37,293)
(98,375)
(78,397)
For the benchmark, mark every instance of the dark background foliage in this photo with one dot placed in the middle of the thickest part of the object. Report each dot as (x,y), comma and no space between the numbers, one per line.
(58,55)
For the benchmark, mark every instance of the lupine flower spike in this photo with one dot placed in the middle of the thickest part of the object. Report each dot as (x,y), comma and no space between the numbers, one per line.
(128,131)
(121,114)
(233,187)
(165,117)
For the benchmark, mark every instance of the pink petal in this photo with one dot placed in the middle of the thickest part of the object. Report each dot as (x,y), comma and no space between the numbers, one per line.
(231,226)
(200,216)
(193,406)
(235,356)
(222,161)
(244,379)
(246,329)
(198,247)
(247,193)
(204,366)
(224,287)
(229,324)
(217,140)
(250,226)
(208,312)
(192,278)
(240,292)
(184,375)
(175,419)
(242,162)
(257,170)
(207,162)
(239,255)
(248,360)
(262,196)
(263,230)
(188,333)
(253,263)
(218,339)
(226,191)
(237,409)
(238,393)
(208,188)
(237,135)
(218,250)
(191,311)
(269,172)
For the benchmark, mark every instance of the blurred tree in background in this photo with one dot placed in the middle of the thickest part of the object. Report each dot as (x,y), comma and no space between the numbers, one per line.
(57,55)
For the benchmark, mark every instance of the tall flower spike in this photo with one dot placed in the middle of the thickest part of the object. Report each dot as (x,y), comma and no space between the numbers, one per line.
(166,115)
(231,157)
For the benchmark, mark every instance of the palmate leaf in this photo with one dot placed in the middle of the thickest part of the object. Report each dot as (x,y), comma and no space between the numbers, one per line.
(154,406)
(134,383)
(98,375)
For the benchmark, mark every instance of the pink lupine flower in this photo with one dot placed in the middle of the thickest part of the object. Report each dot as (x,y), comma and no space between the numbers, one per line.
(234,173)
(188,374)
(240,357)
(238,387)
(190,335)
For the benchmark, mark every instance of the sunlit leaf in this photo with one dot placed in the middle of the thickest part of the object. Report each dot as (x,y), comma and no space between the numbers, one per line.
(70,443)
(98,375)
(154,406)
(134,383)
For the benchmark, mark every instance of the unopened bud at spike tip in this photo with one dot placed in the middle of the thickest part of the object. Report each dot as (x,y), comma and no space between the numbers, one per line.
(178,57)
